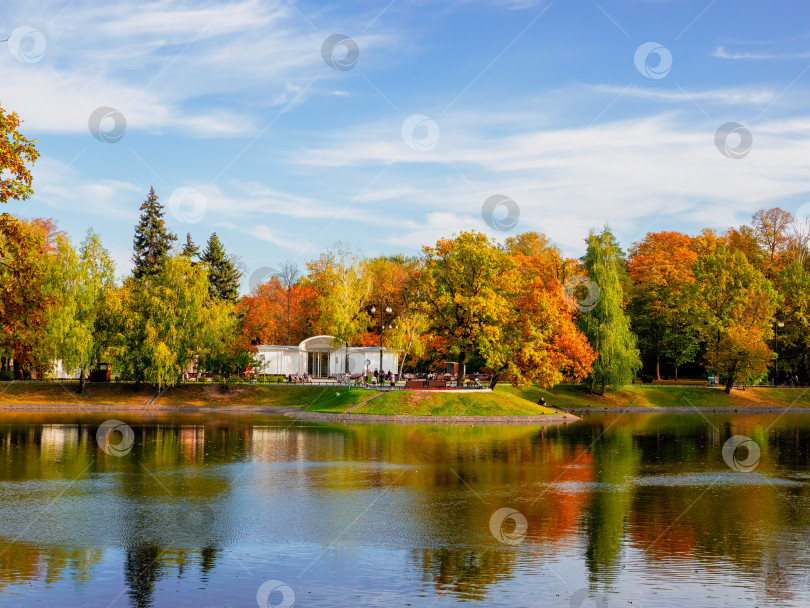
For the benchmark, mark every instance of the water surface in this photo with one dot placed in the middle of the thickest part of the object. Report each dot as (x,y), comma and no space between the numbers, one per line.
(620,510)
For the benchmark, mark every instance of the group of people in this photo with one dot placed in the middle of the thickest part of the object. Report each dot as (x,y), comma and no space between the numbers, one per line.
(299,378)
(379,377)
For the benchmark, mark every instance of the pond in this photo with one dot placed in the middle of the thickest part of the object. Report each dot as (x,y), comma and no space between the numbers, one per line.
(223,510)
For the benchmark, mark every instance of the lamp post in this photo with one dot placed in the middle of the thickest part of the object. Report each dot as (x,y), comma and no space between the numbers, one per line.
(384,308)
(776,327)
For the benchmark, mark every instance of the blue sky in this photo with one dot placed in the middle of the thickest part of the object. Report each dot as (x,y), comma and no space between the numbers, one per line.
(236,118)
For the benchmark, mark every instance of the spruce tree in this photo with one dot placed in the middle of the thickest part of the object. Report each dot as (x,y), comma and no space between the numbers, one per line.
(190,250)
(223,277)
(152,240)
(606,325)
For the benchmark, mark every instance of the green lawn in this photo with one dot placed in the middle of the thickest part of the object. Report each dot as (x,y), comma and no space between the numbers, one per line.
(313,398)
(440,403)
(570,396)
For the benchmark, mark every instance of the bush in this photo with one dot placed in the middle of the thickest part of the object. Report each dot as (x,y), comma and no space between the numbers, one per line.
(647,378)
(6,375)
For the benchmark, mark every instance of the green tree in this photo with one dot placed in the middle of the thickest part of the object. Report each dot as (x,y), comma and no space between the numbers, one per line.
(153,241)
(80,283)
(15,152)
(735,304)
(606,325)
(223,276)
(190,250)
(167,320)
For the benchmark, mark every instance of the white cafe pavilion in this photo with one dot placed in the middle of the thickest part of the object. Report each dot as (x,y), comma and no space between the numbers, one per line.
(318,357)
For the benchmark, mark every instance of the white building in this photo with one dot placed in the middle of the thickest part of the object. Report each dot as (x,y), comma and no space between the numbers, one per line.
(318,357)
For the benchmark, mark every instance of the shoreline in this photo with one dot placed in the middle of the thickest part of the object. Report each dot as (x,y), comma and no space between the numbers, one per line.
(728,409)
(72,408)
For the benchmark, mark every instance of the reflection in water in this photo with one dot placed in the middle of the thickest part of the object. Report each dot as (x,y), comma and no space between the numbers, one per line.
(215,503)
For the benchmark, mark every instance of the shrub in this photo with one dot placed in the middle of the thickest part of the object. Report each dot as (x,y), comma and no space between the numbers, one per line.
(6,375)
(647,378)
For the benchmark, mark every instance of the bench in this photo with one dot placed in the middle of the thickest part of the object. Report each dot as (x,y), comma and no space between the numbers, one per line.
(414,384)
(437,384)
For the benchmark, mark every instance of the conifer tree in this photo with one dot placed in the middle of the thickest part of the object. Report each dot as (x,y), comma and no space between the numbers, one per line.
(223,276)
(152,240)
(606,325)
(190,250)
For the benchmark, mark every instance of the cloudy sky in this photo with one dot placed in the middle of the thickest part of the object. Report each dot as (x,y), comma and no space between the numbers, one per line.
(285,126)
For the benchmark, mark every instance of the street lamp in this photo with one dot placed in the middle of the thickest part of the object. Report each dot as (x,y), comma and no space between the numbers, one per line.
(384,308)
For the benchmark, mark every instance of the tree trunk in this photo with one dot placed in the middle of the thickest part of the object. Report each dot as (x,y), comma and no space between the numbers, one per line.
(729,384)
(402,364)
(676,373)
(658,367)
(462,357)
(494,381)
(81,380)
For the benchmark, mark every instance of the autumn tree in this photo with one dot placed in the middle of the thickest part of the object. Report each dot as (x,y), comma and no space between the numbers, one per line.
(342,289)
(223,276)
(660,267)
(735,306)
(467,288)
(24,304)
(153,241)
(16,152)
(606,325)
(546,345)
(772,228)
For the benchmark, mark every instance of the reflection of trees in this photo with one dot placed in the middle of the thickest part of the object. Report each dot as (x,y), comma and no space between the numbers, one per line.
(616,460)
(140,573)
(467,573)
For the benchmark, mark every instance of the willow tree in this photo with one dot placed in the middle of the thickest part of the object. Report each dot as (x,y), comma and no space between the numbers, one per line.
(606,325)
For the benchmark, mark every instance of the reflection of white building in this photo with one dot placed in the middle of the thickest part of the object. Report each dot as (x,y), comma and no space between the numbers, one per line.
(319,358)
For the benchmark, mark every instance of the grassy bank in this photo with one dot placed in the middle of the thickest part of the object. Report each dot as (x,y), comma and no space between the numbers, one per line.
(437,403)
(504,401)
(652,396)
